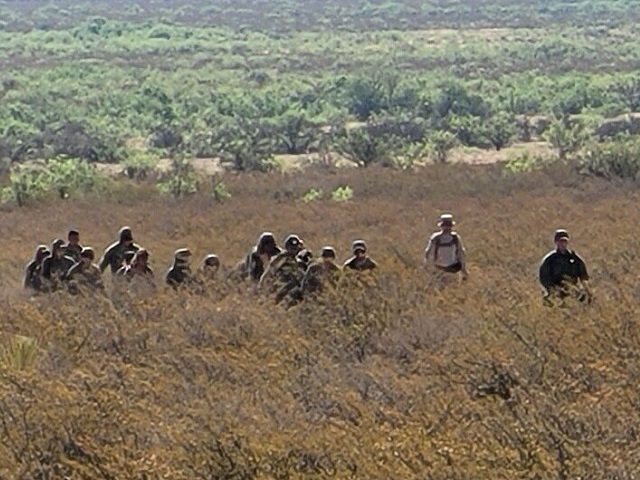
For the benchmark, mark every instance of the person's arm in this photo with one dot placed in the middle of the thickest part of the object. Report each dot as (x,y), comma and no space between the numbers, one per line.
(584,274)
(106,259)
(28,273)
(429,253)
(268,272)
(545,274)
(46,268)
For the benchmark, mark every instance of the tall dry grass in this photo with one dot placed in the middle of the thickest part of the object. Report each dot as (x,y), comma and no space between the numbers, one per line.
(391,378)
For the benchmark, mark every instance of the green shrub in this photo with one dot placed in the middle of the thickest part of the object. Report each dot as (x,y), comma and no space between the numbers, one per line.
(139,165)
(181,180)
(63,175)
(312,195)
(525,162)
(614,158)
(219,190)
(342,194)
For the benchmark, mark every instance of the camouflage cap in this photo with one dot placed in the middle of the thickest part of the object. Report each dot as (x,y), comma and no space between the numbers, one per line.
(57,244)
(292,241)
(359,245)
(182,254)
(211,260)
(328,252)
(88,252)
(266,237)
(125,234)
(560,234)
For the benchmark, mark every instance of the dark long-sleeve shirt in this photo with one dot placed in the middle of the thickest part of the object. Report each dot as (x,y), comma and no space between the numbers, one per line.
(559,267)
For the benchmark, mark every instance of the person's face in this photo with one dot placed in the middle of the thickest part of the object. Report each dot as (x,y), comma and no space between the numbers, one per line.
(562,244)
(85,260)
(57,252)
(446,228)
(74,239)
(359,253)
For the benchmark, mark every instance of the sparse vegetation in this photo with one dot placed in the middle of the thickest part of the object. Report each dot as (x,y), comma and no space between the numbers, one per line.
(398,376)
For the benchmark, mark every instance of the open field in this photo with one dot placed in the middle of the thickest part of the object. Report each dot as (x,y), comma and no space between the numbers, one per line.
(383,380)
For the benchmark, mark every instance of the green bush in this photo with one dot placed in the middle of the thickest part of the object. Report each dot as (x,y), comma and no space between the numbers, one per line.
(63,175)
(614,158)
(139,165)
(342,194)
(181,181)
(312,195)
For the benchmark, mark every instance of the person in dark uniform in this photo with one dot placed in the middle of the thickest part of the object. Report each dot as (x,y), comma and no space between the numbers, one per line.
(33,270)
(321,272)
(55,266)
(73,248)
(562,272)
(360,261)
(284,274)
(114,254)
(260,256)
(85,273)
(179,274)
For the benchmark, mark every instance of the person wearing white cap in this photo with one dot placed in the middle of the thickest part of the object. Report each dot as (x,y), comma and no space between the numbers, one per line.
(445,251)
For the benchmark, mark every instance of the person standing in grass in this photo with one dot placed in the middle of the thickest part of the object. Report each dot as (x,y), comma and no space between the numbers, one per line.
(33,271)
(114,254)
(563,273)
(360,261)
(73,248)
(55,266)
(179,274)
(85,273)
(445,252)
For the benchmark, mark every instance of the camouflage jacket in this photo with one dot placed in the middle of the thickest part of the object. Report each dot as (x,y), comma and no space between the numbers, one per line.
(114,256)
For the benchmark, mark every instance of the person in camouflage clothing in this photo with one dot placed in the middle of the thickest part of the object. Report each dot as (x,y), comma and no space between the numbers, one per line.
(360,261)
(260,256)
(33,270)
(284,274)
(85,274)
(305,258)
(55,266)
(209,268)
(73,249)
(179,274)
(322,272)
(115,253)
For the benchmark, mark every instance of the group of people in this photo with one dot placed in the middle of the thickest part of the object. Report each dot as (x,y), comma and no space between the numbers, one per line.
(288,272)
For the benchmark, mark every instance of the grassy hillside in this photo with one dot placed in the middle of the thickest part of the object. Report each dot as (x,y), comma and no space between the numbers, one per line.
(388,379)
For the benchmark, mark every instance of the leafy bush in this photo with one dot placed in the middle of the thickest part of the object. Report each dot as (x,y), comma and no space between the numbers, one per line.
(362,148)
(139,165)
(181,181)
(614,158)
(525,162)
(566,136)
(441,143)
(62,175)
(219,190)
(312,195)
(342,194)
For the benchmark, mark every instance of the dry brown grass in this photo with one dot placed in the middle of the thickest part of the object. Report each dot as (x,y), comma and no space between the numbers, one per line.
(377,381)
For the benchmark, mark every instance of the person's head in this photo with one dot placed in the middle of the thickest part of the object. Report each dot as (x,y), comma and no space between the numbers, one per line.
(87,255)
(125,235)
(211,263)
(56,248)
(41,252)
(182,256)
(140,258)
(292,244)
(73,237)
(446,223)
(328,254)
(359,248)
(305,255)
(266,243)
(561,239)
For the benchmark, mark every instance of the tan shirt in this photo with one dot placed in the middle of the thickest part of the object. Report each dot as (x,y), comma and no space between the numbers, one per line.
(443,250)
